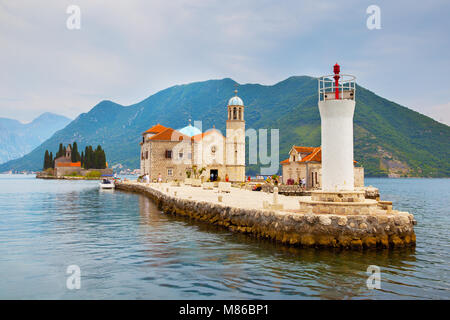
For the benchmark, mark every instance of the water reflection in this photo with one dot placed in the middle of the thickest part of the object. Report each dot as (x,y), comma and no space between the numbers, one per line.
(259,267)
(127,248)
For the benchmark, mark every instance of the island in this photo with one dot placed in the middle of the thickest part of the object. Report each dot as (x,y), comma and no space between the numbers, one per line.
(71,165)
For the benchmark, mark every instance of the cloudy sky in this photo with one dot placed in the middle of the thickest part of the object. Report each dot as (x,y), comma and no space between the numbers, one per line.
(128,50)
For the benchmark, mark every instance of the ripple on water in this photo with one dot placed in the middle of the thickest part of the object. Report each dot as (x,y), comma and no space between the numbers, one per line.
(127,248)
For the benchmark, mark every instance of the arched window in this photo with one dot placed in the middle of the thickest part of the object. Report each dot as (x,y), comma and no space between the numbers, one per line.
(240,114)
(234,114)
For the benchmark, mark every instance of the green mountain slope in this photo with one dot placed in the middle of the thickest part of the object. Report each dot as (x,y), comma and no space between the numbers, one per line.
(389,138)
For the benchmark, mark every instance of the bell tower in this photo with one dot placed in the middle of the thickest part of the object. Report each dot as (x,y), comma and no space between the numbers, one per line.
(235,139)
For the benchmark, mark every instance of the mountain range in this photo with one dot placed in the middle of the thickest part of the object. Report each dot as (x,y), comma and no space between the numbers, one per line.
(390,139)
(17,139)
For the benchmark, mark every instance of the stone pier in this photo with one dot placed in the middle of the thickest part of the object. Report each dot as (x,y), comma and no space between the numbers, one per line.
(284,220)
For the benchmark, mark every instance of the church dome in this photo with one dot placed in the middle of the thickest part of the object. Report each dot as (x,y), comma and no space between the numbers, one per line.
(235,101)
(190,130)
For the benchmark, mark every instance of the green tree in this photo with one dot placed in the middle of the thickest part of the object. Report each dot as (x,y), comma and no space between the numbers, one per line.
(100,158)
(46,160)
(75,154)
(89,160)
(82,159)
(60,151)
(51,160)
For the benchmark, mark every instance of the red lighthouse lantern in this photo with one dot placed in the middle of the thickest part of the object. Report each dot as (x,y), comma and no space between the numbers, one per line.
(337,70)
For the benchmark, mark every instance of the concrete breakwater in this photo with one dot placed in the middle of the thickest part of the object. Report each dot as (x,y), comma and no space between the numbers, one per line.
(288,226)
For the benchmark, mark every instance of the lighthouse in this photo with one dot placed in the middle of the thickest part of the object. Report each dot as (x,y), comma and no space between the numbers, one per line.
(337,106)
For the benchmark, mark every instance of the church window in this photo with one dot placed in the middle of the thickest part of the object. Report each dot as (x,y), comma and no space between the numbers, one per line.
(168,154)
(234,114)
(240,114)
(146,154)
(213,149)
(170,172)
(180,155)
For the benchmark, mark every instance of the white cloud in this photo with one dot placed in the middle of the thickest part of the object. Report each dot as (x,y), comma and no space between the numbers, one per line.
(127,50)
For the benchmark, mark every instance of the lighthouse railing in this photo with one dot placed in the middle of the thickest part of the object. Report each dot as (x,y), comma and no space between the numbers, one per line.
(346,87)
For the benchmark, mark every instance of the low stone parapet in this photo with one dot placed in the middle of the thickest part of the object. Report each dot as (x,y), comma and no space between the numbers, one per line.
(341,196)
(343,208)
(208,185)
(224,186)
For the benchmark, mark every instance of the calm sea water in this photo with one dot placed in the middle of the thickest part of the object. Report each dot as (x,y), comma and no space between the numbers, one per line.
(127,249)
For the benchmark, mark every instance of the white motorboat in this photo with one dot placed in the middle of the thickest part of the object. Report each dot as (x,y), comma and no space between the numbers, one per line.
(107,184)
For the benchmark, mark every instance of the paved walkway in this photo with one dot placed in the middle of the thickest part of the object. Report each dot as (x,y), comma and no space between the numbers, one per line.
(236,198)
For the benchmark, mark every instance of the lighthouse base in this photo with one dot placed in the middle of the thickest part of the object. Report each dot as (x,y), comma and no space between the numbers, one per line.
(359,221)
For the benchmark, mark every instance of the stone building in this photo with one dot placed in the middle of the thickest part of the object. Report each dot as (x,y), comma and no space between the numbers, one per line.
(64,164)
(306,163)
(171,153)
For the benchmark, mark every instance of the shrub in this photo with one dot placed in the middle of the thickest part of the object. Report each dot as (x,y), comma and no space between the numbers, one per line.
(73,174)
(93,174)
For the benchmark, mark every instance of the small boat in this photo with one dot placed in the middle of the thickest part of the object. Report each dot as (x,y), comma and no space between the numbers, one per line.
(107,184)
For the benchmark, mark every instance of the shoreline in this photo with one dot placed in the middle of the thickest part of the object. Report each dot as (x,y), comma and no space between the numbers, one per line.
(288,226)
(67,178)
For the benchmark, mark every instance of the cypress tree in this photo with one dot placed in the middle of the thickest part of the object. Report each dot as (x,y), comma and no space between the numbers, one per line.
(89,158)
(51,161)
(46,160)
(60,151)
(86,158)
(75,154)
(82,159)
(103,160)
(98,156)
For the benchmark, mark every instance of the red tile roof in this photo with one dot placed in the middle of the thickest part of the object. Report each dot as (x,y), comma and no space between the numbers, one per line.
(156,129)
(314,155)
(303,149)
(170,134)
(68,164)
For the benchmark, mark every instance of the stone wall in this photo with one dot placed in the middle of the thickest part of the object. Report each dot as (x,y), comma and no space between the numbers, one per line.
(159,164)
(64,171)
(291,228)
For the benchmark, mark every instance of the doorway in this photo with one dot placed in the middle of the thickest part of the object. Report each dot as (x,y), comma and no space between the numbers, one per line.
(213,174)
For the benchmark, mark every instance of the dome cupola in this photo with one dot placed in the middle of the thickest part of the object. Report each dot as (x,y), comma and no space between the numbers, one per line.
(190,130)
(235,101)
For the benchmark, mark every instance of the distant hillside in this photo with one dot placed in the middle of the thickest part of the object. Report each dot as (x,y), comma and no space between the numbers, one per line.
(18,139)
(389,138)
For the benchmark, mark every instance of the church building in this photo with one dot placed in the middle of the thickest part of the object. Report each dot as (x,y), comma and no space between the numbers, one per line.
(174,154)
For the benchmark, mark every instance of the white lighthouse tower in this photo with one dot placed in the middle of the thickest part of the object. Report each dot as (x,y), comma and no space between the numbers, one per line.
(336,106)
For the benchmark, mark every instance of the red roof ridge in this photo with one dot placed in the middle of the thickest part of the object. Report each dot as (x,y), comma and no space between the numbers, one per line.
(169,134)
(157,128)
